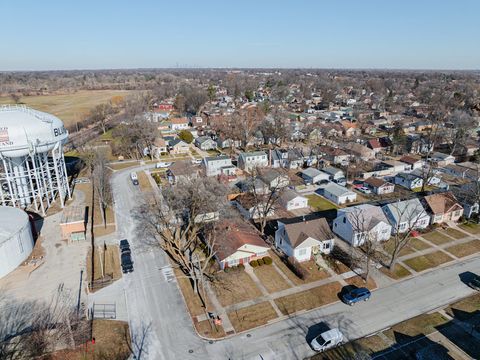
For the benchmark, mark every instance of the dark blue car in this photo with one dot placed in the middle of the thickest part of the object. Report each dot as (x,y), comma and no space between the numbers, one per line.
(355,295)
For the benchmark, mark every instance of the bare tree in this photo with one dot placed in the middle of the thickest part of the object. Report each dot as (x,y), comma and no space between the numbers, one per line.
(101,182)
(101,114)
(182,223)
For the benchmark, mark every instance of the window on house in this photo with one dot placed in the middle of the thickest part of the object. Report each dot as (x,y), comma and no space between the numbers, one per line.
(326,246)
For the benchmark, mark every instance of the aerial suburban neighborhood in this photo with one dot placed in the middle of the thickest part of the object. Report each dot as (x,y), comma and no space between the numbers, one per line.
(237,212)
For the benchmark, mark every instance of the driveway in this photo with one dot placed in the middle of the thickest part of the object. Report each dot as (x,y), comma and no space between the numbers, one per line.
(152,297)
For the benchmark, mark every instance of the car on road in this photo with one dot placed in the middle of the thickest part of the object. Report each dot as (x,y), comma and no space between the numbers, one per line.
(124,244)
(475,283)
(127,263)
(327,340)
(355,295)
(364,189)
(134,178)
(196,161)
(163,164)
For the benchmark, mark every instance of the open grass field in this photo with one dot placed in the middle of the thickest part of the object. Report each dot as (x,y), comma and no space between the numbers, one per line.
(69,107)
(309,299)
(465,249)
(428,261)
(252,316)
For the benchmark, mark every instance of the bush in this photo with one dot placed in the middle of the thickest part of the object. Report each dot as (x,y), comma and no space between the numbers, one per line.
(254,263)
(295,267)
(241,267)
(260,262)
(186,136)
(227,269)
(267,260)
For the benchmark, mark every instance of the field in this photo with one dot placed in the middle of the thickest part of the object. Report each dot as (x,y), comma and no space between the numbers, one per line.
(69,107)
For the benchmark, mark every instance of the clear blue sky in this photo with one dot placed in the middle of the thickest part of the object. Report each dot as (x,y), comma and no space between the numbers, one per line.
(87,34)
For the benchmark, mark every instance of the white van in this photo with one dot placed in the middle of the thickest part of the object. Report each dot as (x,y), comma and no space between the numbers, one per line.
(134,178)
(327,340)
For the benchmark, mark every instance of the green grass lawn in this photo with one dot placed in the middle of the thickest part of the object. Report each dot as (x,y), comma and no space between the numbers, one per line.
(424,262)
(436,237)
(318,203)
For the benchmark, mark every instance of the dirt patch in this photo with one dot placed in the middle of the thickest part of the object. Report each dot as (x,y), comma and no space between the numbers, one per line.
(270,278)
(309,299)
(359,282)
(234,287)
(464,249)
(423,262)
(209,330)
(252,316)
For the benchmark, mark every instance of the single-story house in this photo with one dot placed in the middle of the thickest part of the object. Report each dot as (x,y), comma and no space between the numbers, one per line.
(442,159)
(239,244)
(358,224)
(413,161)
(314,176)
(443,207)
(338,194)
(205,143)
(159,147)
(224,143)
(179,123)
(334,173)
(250,208)
(379,186)
(408,181)
(178,146)
(255,185)
(406,215)
(303,239)
(291,200)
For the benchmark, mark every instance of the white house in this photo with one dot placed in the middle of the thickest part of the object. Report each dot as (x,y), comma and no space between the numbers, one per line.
(238,244)
(338,194)
(274,178)
(251,160)
(178,146)
(442,159)
(291,200)
(334,173)
(250,208)
(314,176)
(406,215)
(218,165)
(408,181)
(179,124)
(357,224)
(303,239)
(205,143)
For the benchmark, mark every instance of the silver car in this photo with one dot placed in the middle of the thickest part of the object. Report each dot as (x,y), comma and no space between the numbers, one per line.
(327,340)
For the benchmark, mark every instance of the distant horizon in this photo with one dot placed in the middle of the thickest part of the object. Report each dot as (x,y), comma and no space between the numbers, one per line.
(375,34)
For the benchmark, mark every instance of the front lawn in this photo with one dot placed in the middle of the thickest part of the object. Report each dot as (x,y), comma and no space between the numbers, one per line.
(318,203)
(252,316)
(235,287)
(436,237)
(397,273)
(421,325)
(471,228)
(309,299)
(468,305)
(423,262)
(358,282)
(270,278)
(455,233)
(419,244)
(390,244)
(464,249)
(313,272)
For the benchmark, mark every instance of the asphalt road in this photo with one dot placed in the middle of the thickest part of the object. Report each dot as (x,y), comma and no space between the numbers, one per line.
(152,300)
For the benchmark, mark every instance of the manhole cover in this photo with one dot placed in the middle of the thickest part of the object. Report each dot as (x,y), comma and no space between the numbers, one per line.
(190,351)
(249,335)
(210,342)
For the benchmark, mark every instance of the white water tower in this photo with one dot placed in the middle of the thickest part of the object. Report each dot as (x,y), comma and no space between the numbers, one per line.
(32,165)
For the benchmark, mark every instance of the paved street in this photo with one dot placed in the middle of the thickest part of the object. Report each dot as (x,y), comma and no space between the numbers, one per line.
(152,298)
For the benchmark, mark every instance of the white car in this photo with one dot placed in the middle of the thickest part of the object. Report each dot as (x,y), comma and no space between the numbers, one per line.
(161,165)
(327,340)
(196,161)
(365,190)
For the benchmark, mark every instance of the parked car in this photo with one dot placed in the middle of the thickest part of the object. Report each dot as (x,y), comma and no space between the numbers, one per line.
(196,161)
(357,184)
(365,190)
(323,182)
(127,263)
(134,178)
(475,283)
(327,340)
(124,244)
(163,164)
(355,295)
(341,181)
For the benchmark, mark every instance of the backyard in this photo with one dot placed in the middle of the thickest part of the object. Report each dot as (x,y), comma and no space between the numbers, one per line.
(318,203)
